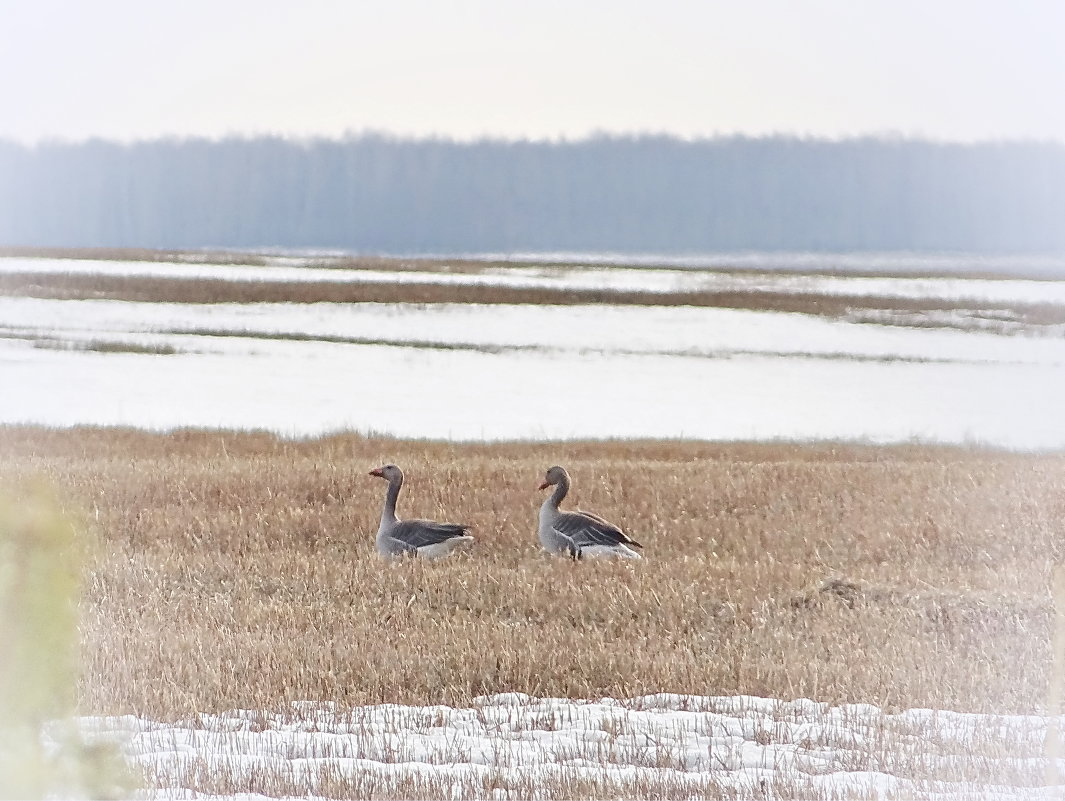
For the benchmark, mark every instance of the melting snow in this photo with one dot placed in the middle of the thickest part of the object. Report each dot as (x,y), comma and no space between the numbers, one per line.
(490,372)
(529,372)
(654,745)
(681,330)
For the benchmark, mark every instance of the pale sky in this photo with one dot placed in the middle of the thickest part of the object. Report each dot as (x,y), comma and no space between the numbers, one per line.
(131,69)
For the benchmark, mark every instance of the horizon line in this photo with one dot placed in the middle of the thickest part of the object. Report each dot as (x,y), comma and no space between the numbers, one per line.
(368,134)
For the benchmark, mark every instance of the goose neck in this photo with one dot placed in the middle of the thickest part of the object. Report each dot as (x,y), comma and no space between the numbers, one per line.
(388,513)
(557,496)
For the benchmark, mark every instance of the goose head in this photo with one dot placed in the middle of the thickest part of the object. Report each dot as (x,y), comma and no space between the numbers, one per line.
(389,472)
(553,476)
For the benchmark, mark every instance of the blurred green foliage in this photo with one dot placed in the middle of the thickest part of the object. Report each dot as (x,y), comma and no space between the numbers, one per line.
(42,551)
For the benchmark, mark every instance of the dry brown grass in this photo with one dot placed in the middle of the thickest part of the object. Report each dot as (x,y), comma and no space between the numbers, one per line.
(168,290)
(237,570)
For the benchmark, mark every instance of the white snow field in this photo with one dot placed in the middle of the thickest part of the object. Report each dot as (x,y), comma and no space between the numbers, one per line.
(892,262)
(516,372)
(603,329)
(655,746)
(983,374)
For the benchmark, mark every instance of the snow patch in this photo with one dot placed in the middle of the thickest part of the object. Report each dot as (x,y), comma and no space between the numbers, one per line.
(651,745)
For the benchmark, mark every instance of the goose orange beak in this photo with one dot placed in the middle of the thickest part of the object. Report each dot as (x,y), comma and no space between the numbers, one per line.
(544,486)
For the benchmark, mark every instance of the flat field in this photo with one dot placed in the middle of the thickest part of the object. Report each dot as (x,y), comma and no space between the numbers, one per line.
(238,571)
(239,634)
(862,295)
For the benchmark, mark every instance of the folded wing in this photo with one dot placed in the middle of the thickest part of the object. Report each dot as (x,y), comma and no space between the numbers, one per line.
(586,529)
(414,534)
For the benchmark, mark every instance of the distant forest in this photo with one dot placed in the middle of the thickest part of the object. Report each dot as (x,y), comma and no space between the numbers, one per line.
(626,194)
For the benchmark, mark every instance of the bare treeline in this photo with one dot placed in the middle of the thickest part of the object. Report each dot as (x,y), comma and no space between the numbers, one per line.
(628,194)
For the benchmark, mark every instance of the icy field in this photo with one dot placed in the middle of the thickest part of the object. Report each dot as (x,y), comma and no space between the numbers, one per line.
(647,279)
(494,371)
(654,746)
(605,329)
(512,372)
(889,262)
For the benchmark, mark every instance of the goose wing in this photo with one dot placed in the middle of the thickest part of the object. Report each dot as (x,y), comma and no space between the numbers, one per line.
(419,533)
(585,529)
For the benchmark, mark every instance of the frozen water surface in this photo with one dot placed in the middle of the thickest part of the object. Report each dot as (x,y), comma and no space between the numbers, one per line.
(605,329)
(530,372)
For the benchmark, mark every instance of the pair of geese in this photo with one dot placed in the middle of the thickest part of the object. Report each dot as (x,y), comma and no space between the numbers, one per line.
(574,534)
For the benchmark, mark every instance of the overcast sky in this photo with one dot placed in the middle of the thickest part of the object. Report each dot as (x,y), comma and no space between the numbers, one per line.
(127,69)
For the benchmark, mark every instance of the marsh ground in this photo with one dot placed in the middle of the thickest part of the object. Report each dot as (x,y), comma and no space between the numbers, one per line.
(238,571)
